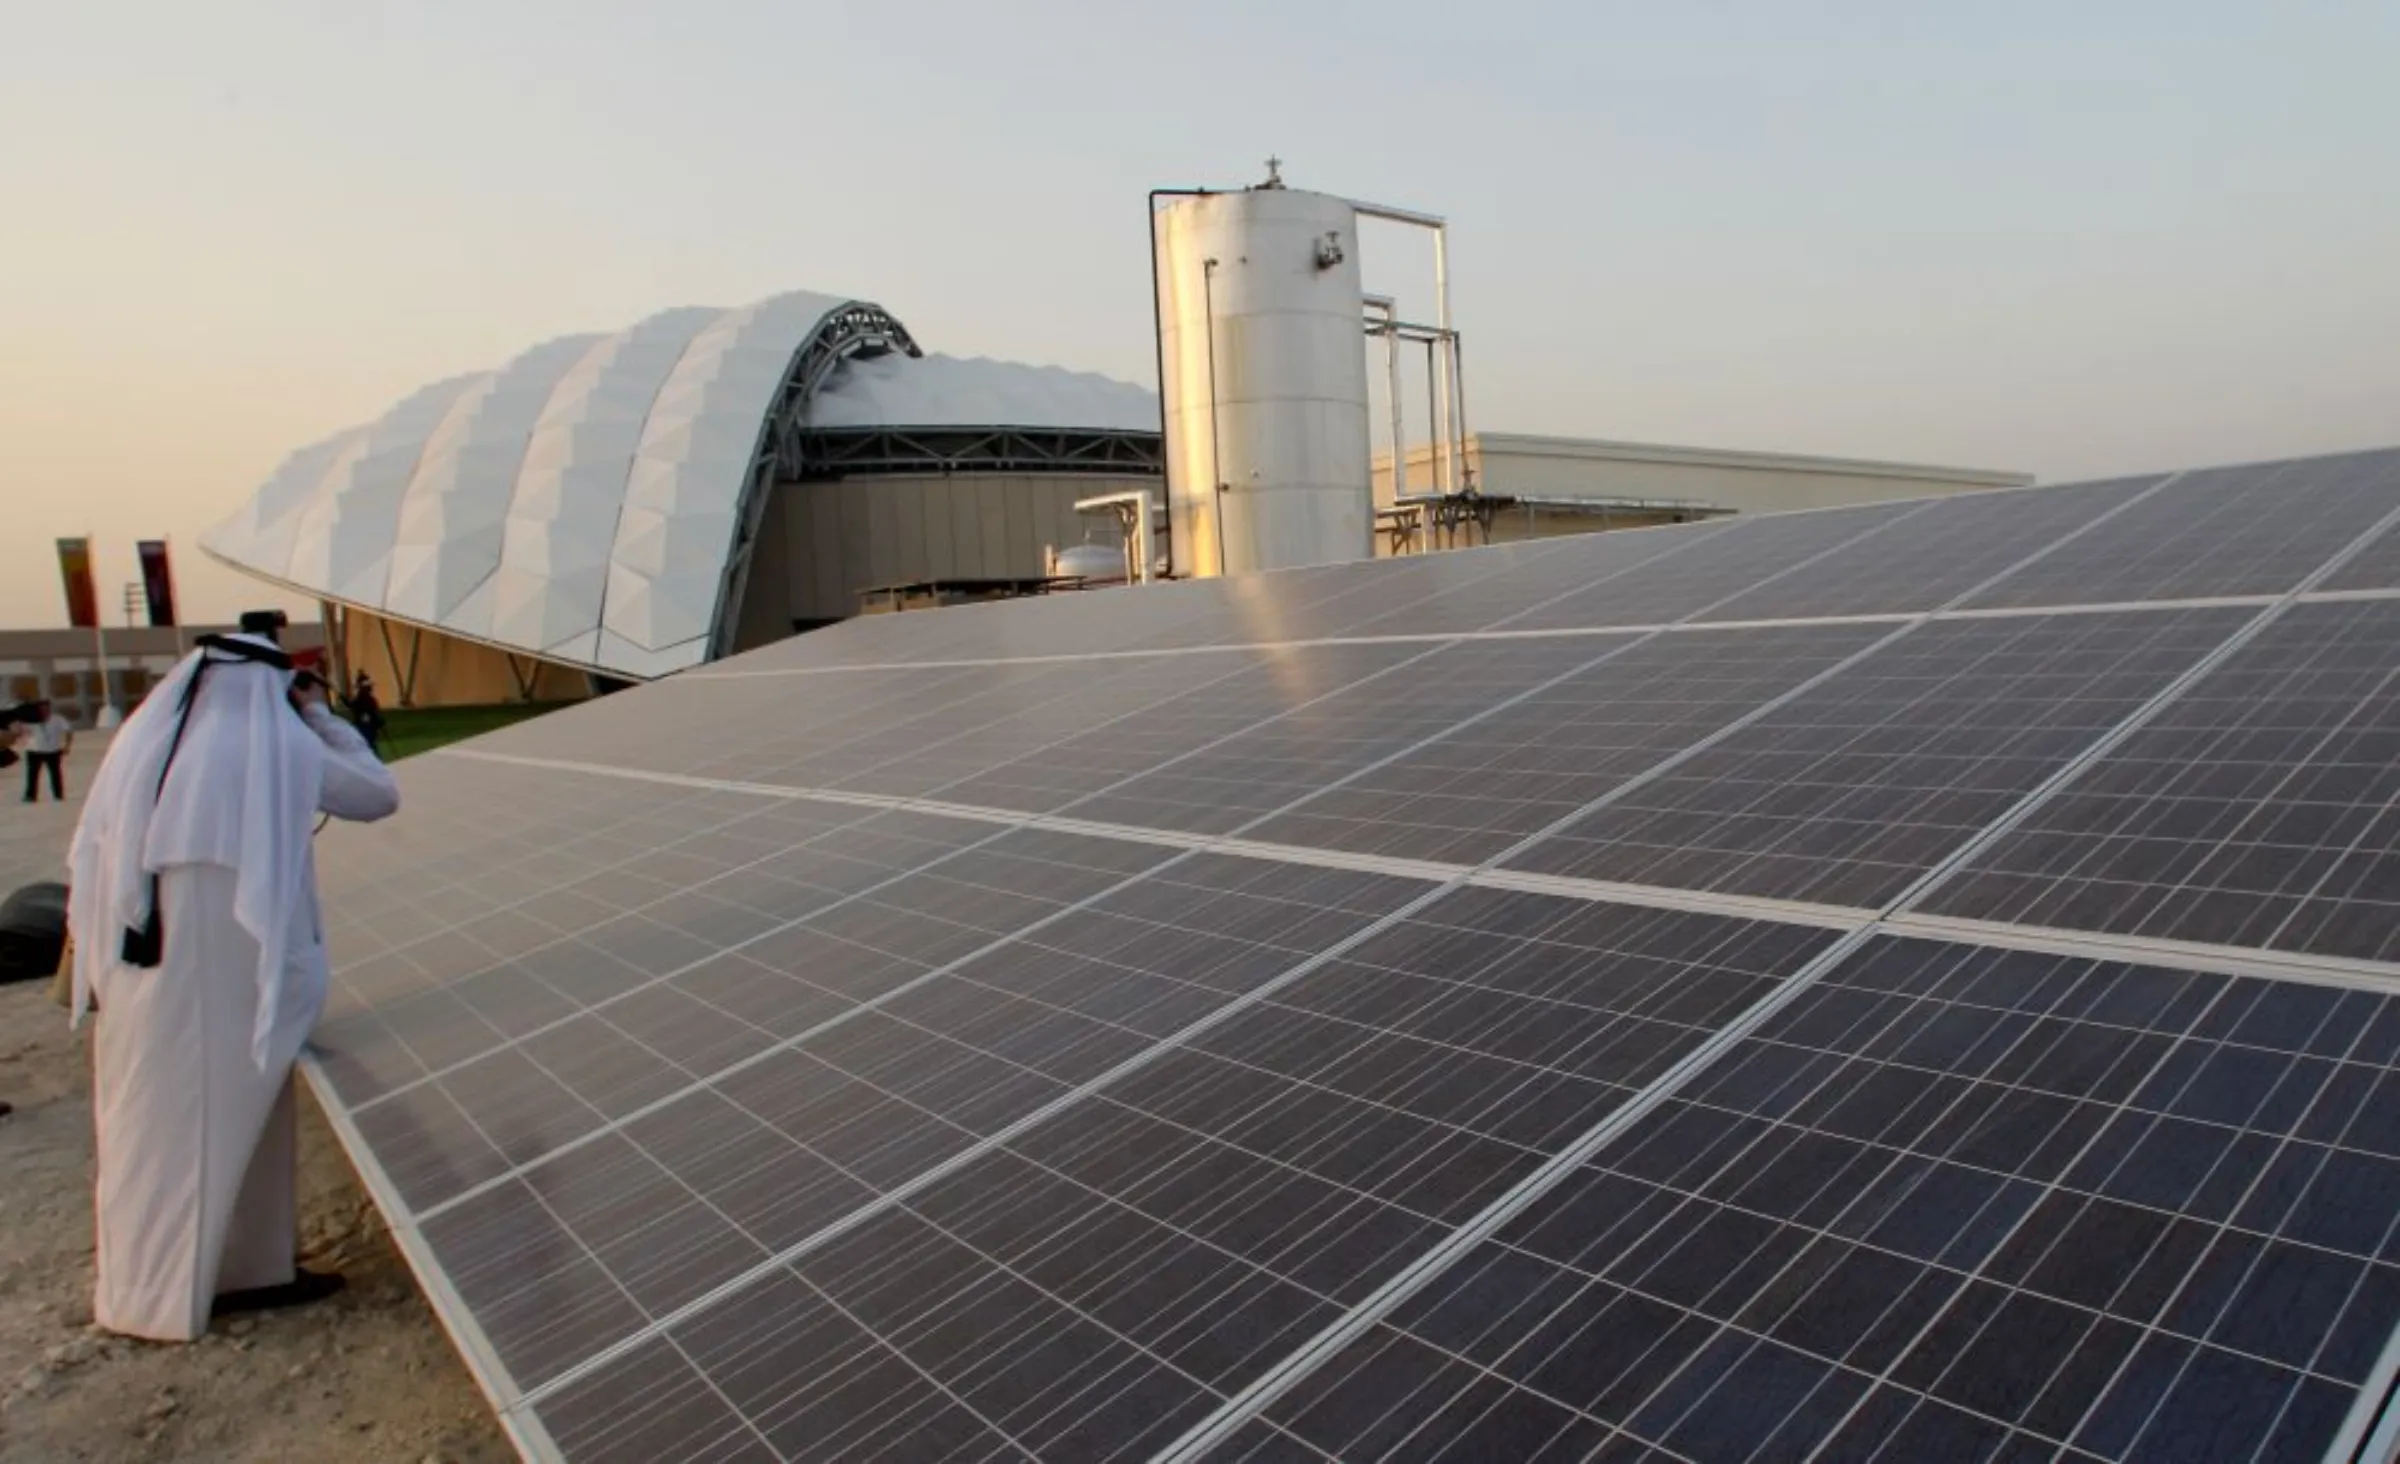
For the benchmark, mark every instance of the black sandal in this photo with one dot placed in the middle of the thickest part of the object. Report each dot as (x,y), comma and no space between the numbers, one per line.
(305,1287)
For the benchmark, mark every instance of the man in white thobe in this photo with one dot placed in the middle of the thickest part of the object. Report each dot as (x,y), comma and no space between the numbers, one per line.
(202,815)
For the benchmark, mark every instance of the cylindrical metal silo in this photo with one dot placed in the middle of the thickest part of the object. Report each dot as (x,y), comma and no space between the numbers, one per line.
(1265,381)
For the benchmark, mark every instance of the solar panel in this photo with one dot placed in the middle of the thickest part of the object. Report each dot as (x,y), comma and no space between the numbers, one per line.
(1711,572)
(1949,549)
(1618,707)
(1114,1274)
(1849,791)
(1903,982)
(2222,531)
(2261,809)
(1948,1203)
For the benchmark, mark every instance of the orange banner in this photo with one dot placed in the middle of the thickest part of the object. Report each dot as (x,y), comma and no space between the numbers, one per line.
(75,567)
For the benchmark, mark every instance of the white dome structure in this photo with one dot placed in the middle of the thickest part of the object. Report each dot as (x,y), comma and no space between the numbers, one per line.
(588,503)
(594,504)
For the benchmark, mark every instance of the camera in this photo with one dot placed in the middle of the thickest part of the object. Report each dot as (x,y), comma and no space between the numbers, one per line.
(305,683)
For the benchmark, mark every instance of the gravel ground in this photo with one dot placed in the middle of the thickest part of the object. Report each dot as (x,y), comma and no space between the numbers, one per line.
(368,1376)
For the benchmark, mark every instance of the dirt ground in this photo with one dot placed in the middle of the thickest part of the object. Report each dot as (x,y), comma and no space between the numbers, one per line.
(368,1376)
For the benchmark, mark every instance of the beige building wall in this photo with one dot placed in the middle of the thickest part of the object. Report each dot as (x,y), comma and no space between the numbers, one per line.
(1741,482)
(447,671)
(820,544)
(63,664)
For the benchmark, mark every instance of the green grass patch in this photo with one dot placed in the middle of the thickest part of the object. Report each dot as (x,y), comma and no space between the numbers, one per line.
(408,731)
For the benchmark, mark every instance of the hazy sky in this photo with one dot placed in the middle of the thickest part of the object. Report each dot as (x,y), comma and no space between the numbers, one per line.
(2070,238)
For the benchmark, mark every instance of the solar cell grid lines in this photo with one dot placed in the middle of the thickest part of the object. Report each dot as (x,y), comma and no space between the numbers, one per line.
(1567,566)
(1111,1275)
(1724,565)
(855,932)
(510,1068)
(1360,598)
(476,905)
(1949,1203)
(1175,740)
(533,844)
(1850,792)
(408,1009)
(2262,808)
(1906,982)
(770,728)
(2218,531)
(2377,566)
(1937,555)
(792,1130)
(1478,791)
(1271,765)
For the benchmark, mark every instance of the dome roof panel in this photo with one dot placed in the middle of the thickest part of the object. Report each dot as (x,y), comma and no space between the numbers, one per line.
(953,391)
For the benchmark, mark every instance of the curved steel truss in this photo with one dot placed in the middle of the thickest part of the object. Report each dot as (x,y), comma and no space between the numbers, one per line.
(859,328)
(859,452)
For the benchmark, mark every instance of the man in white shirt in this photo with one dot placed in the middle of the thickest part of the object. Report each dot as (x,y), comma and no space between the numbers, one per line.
(196,931)
(45,744)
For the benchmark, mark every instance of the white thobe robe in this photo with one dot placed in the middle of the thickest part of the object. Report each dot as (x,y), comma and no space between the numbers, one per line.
(196,1192)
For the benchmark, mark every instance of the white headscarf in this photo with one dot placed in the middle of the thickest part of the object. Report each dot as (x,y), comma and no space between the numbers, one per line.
(242,792)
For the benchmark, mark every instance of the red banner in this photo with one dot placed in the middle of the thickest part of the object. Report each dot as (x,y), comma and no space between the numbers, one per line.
(158,582)
(75,567)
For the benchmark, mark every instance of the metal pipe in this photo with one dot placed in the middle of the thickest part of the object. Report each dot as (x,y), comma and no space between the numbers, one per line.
(1158,343)
(1216,461)
(1391,390)
(1396,215)
(1458,384)
(1441,320)
(1432,448)
(1448,443)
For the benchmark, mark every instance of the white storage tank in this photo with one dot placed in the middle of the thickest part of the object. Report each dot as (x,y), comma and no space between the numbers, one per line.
(1264,381)
(1098,564)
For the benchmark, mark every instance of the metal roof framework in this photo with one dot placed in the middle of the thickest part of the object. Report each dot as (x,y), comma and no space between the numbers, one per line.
(851,452)
(856,330)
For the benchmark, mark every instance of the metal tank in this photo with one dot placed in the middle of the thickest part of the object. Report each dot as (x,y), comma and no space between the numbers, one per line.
(1092,563)
(1263,380)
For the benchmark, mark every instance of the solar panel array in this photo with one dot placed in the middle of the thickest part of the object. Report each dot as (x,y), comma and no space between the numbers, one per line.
(1904,982)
